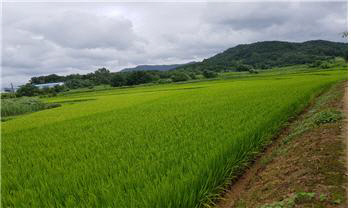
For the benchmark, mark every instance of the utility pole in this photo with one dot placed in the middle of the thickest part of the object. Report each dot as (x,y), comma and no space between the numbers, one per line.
(13,90)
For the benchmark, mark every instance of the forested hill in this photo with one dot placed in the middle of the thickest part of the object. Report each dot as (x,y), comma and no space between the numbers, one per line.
(262,55)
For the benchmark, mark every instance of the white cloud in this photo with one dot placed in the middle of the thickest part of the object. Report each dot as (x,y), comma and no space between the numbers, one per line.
(64,38)
(74,29)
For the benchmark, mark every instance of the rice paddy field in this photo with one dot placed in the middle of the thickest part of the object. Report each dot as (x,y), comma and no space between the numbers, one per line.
(173,145)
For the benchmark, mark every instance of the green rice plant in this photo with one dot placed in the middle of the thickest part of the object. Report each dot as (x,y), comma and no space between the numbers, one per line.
(172,145)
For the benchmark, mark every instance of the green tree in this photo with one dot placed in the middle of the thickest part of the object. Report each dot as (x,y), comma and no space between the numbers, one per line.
(118,80)
(47,79)
(243,67)
(102,76)
(192,75)
(345,34)
(209,74)
(180,76)
(59,88)
(79,83)
(28,90)
(139,77)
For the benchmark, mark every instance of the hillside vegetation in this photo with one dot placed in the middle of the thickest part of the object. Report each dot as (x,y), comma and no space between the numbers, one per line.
(268,54)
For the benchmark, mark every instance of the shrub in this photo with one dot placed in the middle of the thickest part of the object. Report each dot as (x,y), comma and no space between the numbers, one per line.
(22,105)
(253,71)
(28,90)
(243,67)
(164,81)
(209,74)
(315,63)
(327,116)
(180,76)
(118,80)
(320,64)
(325,65)
(79,83)
(7,95)
(139,77)
(17,106)
(52,105)
(192,75)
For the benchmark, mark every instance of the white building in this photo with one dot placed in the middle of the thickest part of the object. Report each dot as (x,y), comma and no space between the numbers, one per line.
(49,85)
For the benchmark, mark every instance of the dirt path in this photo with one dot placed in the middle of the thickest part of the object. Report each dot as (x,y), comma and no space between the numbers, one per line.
(345,124)
(344,134)
(300,169)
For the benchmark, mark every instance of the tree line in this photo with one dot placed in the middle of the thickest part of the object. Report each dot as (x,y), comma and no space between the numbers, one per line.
(104,76)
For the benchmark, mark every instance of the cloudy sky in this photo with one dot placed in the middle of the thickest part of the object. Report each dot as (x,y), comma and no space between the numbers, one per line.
(64,38)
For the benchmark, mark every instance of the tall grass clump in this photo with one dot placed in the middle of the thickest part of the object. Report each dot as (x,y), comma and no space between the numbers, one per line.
(173,145)
(22,105)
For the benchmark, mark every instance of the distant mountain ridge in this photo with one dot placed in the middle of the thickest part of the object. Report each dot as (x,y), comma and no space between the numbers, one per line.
(155,67)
